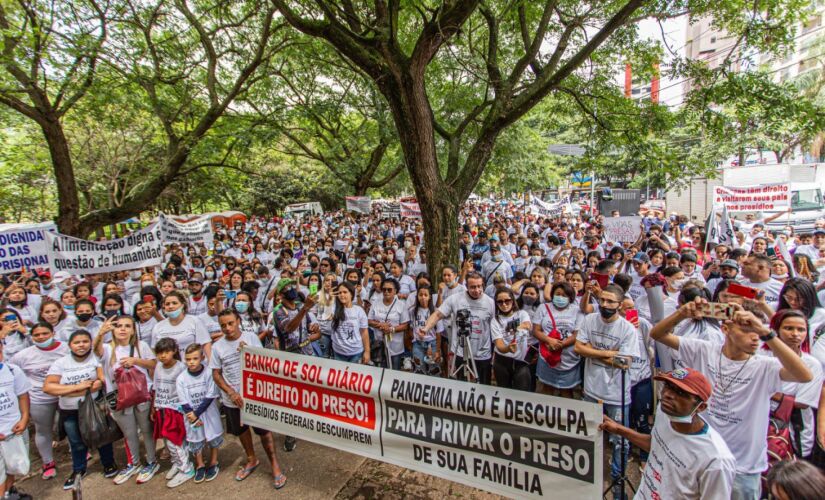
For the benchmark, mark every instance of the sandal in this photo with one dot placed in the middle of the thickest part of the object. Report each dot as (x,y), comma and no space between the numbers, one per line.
(280,481)
(246,471)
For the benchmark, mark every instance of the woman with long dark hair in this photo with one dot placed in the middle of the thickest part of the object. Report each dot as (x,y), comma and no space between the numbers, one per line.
(799,294)
(350,336)
(510,331)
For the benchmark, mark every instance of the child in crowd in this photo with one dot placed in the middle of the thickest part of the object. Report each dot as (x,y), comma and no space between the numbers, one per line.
(169,422)
(198,395)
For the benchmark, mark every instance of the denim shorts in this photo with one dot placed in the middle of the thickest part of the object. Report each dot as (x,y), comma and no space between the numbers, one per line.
(196,446)
(558,379)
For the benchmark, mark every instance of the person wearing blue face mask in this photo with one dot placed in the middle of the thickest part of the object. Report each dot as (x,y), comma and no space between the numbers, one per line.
(184,328)
(559,367)
(252,322)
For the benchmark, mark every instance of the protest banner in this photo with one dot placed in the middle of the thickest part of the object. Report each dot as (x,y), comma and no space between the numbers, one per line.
(410,210)
(144,248)
(554,209)
(24,245)
(622,229)
(391,210)
(517,444)
(359,204)
(198,230)
(757,198)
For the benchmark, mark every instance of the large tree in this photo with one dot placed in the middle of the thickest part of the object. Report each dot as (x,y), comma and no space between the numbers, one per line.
(457,73)
(187,60)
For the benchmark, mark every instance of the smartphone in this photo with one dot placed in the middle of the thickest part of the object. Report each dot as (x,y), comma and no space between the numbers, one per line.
(742,290)
(602,279)
(631,315)
(9,317)
(717,310)
(109,314)
(148,298)
(313,288)
(771,252)
(621,362)
(231,294)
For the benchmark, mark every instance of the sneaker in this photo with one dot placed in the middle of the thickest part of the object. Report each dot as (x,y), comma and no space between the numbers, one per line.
(200,474)
(180,478)
(172,472)
(290,443)
(72,479)
(212,472)
(16,495)
(127,472)
(147,472)
(110,471)
(49,470)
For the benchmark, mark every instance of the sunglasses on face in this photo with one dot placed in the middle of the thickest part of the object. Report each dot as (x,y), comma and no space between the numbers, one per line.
(504,301)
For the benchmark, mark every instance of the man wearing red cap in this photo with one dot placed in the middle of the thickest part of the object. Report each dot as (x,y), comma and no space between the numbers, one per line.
(688,458)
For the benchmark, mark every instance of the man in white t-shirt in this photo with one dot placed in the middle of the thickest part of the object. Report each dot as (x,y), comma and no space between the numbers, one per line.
(688,458)
(480,310)
(226,371)
(757,273)
(743,384)
(608,342)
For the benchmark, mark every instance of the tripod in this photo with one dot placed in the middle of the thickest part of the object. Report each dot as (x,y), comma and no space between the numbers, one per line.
(622,480)
(468,367)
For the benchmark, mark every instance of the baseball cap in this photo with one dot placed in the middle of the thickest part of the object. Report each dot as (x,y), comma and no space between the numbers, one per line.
(195,279)
(61,276)
(283,283)
(689,380)
(730,263)
(641,257)
(819,230)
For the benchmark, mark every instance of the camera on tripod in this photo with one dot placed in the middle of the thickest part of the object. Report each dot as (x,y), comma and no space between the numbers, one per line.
(463,322)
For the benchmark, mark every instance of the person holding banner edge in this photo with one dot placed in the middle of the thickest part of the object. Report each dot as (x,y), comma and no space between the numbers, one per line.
(226,371)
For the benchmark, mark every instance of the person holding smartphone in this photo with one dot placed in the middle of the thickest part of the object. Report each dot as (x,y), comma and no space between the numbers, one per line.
(608,342)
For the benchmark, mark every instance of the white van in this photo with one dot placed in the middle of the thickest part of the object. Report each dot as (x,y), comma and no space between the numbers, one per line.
(298,210)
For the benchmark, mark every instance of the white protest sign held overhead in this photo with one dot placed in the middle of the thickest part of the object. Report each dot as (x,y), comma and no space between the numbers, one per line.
(622,229)
(198,230)
(514,443)
(24,245)
(410,210)
(359,204)
(143,248)
(554,209)
(757,198)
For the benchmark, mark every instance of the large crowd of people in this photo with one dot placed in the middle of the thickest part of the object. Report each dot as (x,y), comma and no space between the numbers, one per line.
(704,356)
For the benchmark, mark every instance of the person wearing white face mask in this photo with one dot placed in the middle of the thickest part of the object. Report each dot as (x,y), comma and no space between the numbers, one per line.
(180,326)
(684,448)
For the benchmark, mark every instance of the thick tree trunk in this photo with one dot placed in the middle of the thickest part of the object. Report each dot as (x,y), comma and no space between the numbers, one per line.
(438,201)
(68,218)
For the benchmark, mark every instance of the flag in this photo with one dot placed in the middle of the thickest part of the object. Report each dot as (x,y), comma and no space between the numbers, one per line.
(712,228)
(782,251)
(727,233)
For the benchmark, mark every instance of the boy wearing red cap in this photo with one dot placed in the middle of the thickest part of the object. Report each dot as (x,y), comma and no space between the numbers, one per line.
(688,458)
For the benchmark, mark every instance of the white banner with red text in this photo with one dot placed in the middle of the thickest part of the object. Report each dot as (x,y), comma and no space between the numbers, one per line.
(513,443)
(757,198)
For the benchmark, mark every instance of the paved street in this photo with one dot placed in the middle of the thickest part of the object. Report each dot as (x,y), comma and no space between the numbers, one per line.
(313,471)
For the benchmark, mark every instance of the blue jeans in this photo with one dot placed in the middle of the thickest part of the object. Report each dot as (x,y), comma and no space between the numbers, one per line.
(419,349)
(615,413)
(325,343)
(355,358)
(746,486)
(78,448)
(641,407)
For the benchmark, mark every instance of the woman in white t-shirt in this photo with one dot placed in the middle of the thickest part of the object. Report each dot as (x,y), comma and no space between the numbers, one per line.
(425,344)
(126,352)
(564,316)
(69,378)
(350,337)
(800,294)
(389,319)
(510,332)
(180,326)
(13,332)
(35,362)
(792,328)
